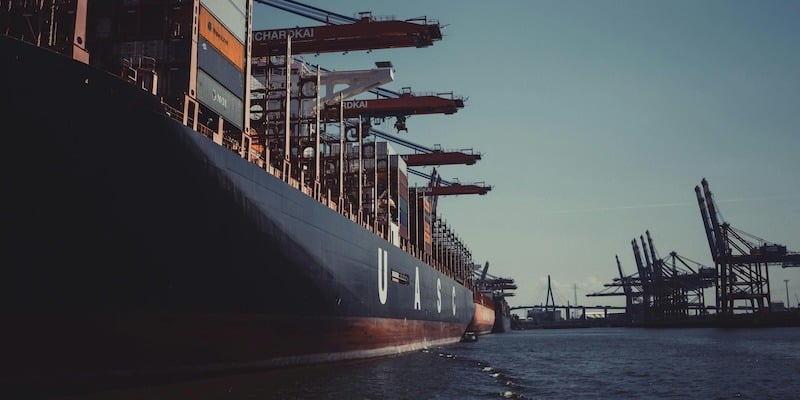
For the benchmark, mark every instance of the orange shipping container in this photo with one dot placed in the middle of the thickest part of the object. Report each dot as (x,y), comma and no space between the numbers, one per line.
(221,38)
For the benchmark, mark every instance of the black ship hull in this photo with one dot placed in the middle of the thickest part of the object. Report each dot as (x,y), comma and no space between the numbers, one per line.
(502,318)
(135,247)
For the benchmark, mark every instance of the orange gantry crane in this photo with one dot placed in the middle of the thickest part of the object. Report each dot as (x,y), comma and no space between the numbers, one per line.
(402,106)
(456,189)
(426,156)
(365,33)
(440,157)
(439,187)
(343,34)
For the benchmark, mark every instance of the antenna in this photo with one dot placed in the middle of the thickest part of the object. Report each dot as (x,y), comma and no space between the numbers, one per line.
(786,281)
(575,293)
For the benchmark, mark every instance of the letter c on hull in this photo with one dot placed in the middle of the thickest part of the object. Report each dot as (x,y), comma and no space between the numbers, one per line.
(454,300)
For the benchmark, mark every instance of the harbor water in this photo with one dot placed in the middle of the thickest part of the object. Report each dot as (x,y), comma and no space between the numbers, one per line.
(588,363)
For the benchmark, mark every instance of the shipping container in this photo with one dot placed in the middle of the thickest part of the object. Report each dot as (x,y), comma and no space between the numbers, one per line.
(419,222)
(214,96)
(399,193)
(221,38)
(232,14)
(220,68)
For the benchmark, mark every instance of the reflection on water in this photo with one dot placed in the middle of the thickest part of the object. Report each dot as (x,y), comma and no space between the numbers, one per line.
(594,363)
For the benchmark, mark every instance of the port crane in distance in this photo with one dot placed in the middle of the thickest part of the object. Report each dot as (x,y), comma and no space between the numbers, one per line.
(741,259)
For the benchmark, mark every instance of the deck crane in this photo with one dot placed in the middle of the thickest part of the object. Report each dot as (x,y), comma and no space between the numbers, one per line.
(342,34)
(741,259)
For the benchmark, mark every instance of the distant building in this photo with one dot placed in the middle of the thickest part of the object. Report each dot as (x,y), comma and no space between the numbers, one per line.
(542,315)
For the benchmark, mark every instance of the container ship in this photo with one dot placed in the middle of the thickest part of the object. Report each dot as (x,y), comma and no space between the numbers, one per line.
(483,321)
(492,312)
(502,312)
(170,211)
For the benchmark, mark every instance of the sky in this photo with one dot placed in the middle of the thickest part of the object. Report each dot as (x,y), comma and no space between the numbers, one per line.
(595,120)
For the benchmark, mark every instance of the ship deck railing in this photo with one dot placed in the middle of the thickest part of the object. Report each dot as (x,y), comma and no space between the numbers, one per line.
(345,209)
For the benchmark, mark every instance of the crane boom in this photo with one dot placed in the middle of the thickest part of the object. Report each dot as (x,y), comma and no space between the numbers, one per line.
(364,34)
(706,222)
(405,104)
(455,189)
(438,157)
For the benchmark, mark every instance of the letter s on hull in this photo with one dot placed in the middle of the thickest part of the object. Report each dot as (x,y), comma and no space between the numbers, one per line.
(383,275)
(439,295)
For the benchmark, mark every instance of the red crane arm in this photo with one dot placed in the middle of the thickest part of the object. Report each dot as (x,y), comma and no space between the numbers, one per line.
(454,189)
(441,158)
(405,104)
(365,34)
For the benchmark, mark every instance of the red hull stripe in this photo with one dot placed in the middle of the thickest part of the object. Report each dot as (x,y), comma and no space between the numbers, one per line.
(44,349)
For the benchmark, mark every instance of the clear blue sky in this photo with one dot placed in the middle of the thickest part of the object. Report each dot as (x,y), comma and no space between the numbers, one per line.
(595,120)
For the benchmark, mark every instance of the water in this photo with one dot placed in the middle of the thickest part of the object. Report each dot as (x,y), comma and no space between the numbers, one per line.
(594,363)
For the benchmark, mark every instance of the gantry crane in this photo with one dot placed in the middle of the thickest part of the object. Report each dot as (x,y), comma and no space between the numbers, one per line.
(342,34)
(426,156)
(671,286)
(663,289)
(631,289)
(489,283)
(441,157)
(441,187)
(359,82)
(741,260)
(322,139)
(400,107)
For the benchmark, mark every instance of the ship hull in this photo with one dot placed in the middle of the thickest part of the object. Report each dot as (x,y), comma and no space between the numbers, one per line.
(139,247)
(484,318)
(502,316)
